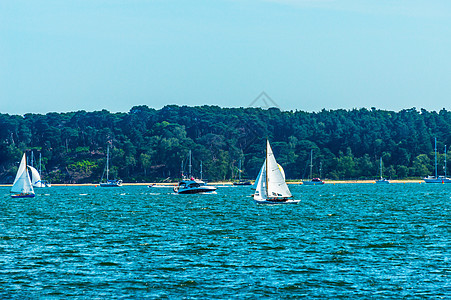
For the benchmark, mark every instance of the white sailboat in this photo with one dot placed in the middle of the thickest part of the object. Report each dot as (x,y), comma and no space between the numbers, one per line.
(271,187)
(36,179)
(22,187)
(436,178)
(382,180)
(109,182)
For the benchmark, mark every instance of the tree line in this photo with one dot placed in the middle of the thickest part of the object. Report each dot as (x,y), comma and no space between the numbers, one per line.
(152,145)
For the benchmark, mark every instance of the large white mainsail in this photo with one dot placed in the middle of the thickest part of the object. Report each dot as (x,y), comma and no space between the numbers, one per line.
(36,178)
(277,187)
(22,183)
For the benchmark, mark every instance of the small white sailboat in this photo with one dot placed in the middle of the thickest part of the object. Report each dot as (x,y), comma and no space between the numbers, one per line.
(382,180)
(436,178)
(191,185)
(36,179)
(22,187)
(271,187)
(109,182)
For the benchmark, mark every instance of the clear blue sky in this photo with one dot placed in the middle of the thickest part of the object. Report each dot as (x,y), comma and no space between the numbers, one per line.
(305,54)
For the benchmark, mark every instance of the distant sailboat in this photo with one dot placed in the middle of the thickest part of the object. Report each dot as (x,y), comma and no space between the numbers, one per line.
(241,182)
(36,180)
(22,187)
(109,183)
(382,180)
(312,181)
(271,187)
(436,178)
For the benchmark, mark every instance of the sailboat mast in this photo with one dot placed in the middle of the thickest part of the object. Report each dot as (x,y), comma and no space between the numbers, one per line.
(311,163)
(181,170)
(200,170)
(189,163)
(107,161)
(381,168)
(239,172)
(445,161)
(40,162)
(266,173)
(320,168)
(435,152)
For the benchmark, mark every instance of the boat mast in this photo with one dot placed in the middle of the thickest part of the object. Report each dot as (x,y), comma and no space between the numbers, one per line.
(381,168)
(107,160)
(239,172)
(189,163)
(445,161)
(311,164)
(435,152)
(200,170)
(266,173)
(182,170)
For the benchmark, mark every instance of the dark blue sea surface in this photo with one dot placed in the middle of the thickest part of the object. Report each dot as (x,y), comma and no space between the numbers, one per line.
(341,241)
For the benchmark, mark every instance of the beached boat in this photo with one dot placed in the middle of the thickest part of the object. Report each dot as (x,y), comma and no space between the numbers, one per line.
(109,182)
(436,178)
(271,187)
(22,187)
(382,180)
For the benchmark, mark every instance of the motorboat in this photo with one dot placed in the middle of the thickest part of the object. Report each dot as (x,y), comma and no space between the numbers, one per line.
(193,186)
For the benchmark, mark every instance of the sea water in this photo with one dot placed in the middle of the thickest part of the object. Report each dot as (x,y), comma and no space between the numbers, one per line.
(340,241)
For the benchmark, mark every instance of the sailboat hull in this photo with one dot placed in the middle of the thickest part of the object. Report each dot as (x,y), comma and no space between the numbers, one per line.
(437,180)
(109,184)
(23,196)
(242,183)
(313,182)
(282,201)
(382,181)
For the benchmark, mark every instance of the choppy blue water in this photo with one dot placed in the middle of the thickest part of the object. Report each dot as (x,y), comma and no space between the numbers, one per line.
(341,241)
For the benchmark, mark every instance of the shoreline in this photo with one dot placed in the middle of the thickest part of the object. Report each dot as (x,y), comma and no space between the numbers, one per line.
(229,183)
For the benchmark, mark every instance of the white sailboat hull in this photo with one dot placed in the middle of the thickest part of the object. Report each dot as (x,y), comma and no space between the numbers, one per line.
(280,201)
(382,181)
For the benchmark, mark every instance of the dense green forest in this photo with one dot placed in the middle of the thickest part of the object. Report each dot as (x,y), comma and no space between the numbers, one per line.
(149,145)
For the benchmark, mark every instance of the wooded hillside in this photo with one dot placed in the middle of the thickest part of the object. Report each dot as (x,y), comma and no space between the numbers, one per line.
(149,145)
